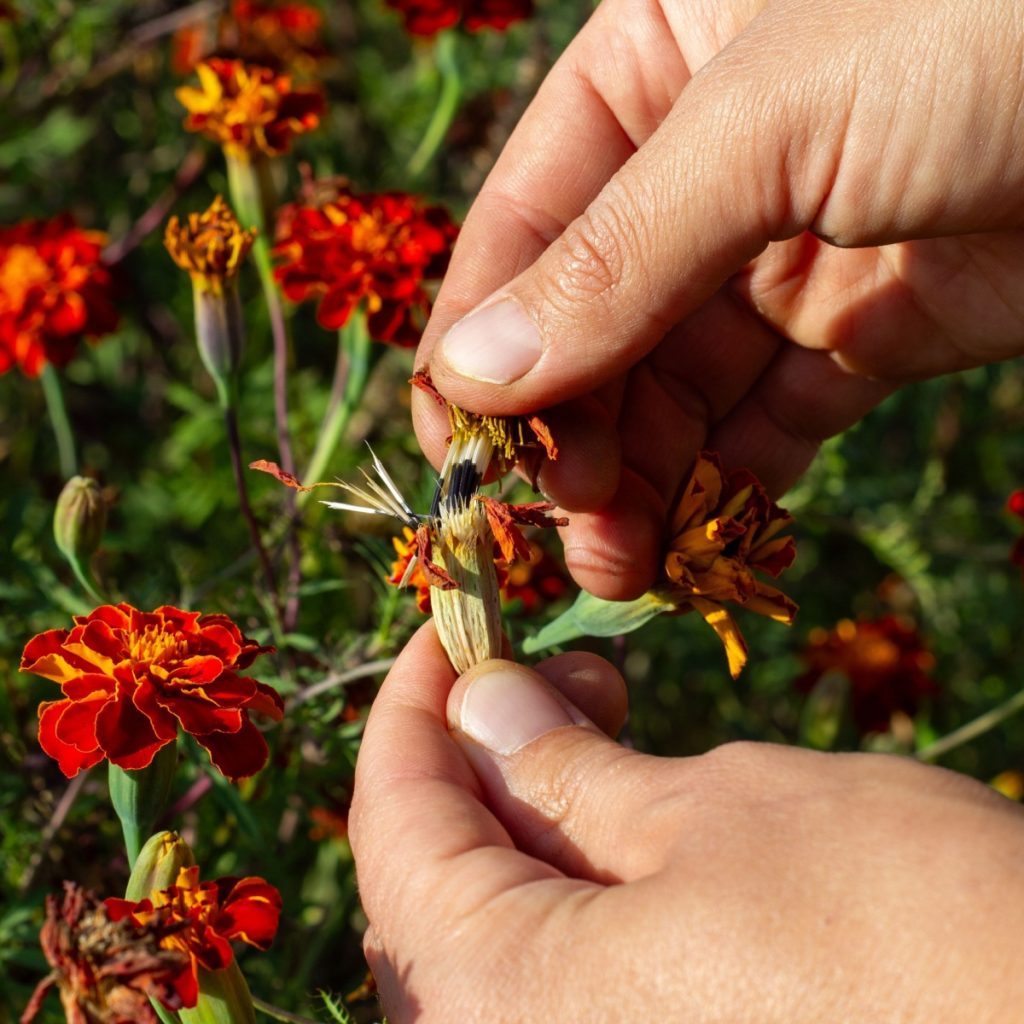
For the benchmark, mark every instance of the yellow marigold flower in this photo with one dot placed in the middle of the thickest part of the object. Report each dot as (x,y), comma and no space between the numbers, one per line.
(211,245)
(724,529)
(248,109)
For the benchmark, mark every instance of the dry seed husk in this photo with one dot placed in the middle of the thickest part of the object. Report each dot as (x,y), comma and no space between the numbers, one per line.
(468,618)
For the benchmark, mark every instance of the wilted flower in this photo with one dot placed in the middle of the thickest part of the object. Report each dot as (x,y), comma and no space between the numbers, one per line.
(131,678)
(369,248)
(885,660)
(724,529)
(428,17)
(248,109)
(106,970)
(209,915)
(212,246)
(54,291)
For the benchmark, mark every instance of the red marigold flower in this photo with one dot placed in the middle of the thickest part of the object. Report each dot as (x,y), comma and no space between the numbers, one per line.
(535,581)
(131,678)
(107,970)
(54,291)
(376,249)
(428,17)
(248,109)
(210,915)
(885,660)
(328,824)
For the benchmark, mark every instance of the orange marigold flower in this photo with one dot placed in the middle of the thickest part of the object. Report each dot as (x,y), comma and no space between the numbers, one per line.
(885,660)
(248,108)
(209,915)
(428,17)
(107,970)
(376,249)
(54,291)
(210,245)
(724,529)
(131,678)
(406,550)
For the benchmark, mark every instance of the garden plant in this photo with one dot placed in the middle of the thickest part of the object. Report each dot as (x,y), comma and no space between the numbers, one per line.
(222,226)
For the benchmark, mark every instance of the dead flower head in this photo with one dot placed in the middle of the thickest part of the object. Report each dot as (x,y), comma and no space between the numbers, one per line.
(726,529)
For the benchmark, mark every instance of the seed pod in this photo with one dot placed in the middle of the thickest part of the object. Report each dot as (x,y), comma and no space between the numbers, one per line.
(468,617)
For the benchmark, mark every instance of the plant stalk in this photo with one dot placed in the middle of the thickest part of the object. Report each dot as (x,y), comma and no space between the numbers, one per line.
(973,729)
(447,103)
(58,413)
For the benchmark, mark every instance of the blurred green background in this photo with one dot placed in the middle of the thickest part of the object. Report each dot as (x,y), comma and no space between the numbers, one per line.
(905,513)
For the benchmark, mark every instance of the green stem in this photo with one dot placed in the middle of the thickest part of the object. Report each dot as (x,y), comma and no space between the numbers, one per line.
(447,103)
(354,358)
(86,579)
(59,421)
(972,730)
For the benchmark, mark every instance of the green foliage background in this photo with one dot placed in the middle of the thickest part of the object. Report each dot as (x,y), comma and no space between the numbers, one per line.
(89,123)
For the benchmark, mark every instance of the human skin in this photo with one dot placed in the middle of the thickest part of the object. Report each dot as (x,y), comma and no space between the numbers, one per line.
(571,879)
(736,225)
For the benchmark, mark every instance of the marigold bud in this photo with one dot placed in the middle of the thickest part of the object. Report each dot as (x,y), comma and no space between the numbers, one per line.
(79,518)
(158,865)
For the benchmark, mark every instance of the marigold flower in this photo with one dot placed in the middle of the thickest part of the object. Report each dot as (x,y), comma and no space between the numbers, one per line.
(328,824)
(372,248)
(535,580)
(276,35)
(724,529)
(54,291)
(209,915)
(885,660)
(210,245)
(107,970)
(248,109)
(428,17)
(131,678)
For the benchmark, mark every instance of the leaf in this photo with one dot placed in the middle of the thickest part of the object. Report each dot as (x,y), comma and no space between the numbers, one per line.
(592,616)
(335,1008)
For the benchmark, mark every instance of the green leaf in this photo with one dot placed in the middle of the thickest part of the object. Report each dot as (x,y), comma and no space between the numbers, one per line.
(335,1008)
(592,616)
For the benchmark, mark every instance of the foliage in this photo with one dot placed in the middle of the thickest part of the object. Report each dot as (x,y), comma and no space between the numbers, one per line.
(903,514)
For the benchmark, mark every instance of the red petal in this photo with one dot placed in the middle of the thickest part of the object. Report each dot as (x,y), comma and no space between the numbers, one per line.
(236,755)
(288,479)
(421,379)
(77,725)
(267,701)
(127,735)
(250,912)
(70,759)
(198,717)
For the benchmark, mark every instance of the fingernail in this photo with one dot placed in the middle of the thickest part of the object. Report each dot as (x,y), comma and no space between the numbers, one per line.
(497,344)
(503,711)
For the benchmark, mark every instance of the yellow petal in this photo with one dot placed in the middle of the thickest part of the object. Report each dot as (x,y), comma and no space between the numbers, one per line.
(728,632)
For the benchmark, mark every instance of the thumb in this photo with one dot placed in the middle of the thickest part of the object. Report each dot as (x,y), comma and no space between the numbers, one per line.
(565,792)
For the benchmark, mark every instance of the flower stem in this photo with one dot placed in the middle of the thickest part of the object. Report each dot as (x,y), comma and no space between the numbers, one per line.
(59,421)
(447,103)
(353,369)
(973,729)
(278,1014)
(238,466)
(86,579)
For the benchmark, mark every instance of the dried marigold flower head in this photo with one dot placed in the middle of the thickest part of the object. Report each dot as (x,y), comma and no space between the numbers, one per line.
(428,17)
(248,109)
(374,249)
(723,531)
(54,291)
(210,245)
(885,660)
(210,915)
(130,679)
(107,970)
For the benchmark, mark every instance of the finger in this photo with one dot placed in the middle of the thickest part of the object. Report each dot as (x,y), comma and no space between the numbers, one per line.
(802,399)
(592,685)
(420,835)
(565,792)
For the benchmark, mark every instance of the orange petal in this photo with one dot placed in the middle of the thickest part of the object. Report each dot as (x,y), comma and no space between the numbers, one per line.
(728,632)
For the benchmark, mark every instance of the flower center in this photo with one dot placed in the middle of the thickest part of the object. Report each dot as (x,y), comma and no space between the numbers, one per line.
(156,645)
(21,270)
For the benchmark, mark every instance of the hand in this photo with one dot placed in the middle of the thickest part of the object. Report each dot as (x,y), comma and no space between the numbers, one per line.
(736,224)
(524,867)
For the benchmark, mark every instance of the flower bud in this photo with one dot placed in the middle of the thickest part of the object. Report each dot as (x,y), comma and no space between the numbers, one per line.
(224,998)
(79,518)
(220,330)
(158,864)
